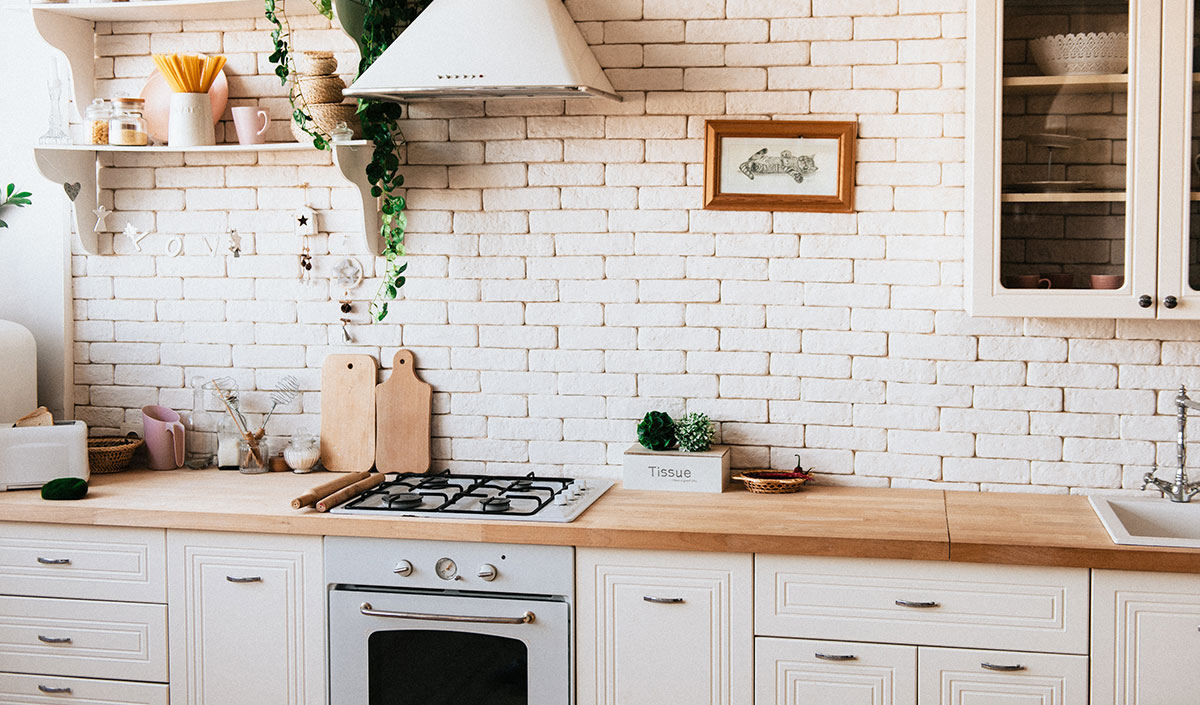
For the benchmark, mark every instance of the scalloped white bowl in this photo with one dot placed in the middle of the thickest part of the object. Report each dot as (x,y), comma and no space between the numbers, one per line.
(1090,53)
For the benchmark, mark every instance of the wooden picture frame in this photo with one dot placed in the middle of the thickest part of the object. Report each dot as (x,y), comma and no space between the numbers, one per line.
(748,165)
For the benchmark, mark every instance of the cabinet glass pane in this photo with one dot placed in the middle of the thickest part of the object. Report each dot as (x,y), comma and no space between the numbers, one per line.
(1064,127)
(1193,221)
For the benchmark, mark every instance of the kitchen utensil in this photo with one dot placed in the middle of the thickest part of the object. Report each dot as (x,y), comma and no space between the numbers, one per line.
(164,437)
(107,454)
(238,420)
(348,412)
(326,489)
(190,123)
(31,457)
(246,120)
(1082,53)
(350,492)
(157,95)
(403,406)
(1106,281)
(773,481)
(286,391)
(18,371)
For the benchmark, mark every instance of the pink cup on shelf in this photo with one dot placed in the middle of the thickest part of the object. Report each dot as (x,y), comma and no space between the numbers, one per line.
(251,124)
(163,431)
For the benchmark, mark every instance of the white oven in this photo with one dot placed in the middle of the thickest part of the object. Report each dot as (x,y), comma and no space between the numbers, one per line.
(444,623)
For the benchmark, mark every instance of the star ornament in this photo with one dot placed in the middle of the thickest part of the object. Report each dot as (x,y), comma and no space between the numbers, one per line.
(135,236)
(101,214)
(304,222)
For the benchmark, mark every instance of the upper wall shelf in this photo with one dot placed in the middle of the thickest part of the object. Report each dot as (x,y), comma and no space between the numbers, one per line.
(75,165)
(160,10)
(1094,83)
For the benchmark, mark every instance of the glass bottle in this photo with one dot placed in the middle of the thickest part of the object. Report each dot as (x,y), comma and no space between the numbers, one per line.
(55,134)
(127,126)
(200,427)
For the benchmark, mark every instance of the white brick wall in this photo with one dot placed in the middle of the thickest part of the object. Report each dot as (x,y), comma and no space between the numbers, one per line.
(564,280)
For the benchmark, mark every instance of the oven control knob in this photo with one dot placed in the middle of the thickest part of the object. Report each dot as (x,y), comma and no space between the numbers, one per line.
(403,569)
(487,572)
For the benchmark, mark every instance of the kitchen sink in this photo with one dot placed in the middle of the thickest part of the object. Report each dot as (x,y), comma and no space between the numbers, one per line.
(1149,522)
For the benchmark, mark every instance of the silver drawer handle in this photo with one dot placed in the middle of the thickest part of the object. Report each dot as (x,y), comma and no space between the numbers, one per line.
(663,600)
(1001,667)
(54,639)
(915,604)
(370,611)
(53,690)
(835,657)
(252,579)
(54,561)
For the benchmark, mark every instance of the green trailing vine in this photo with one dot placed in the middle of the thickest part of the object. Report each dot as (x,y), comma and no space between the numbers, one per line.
(383,21)
(14,198)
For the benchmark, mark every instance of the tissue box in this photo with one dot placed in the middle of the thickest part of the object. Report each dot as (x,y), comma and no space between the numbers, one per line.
(675,470)
(31,457)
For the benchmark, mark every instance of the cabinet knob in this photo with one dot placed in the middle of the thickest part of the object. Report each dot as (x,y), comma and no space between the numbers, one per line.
(1170,302)
(1145,301)
(403,569)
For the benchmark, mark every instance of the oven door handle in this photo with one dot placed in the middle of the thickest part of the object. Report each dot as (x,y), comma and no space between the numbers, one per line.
(370,611)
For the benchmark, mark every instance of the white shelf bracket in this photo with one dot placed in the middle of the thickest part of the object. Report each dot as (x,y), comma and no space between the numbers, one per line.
(68,168)
(75,38)
(352,160)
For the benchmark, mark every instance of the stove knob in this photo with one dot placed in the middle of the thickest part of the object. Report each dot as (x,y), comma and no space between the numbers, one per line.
(561,497)
(403,569)
(487,572)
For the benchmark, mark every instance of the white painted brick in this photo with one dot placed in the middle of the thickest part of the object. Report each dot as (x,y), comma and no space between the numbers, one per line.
(944,443)
(985,470)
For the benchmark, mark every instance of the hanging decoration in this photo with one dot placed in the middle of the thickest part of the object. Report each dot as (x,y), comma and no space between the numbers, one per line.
(235,243)
(101,214)
(135,236)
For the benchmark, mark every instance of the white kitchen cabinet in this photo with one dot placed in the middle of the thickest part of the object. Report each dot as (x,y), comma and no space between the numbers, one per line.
(85,562)
(1083,174)
(1145,638)
(663,627)
(25,689)
(246,619)
(804,672)
(967,677)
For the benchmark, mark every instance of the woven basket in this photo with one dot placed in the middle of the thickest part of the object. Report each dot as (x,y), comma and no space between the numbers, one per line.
(327,117)
(320,89)
(111,453)
(773,481)
(315,63)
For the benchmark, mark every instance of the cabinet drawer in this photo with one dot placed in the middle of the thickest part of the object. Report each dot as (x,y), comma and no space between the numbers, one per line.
(963,677)
(87,638)
(923,602)
(802,671)
(88,562)
(22,689)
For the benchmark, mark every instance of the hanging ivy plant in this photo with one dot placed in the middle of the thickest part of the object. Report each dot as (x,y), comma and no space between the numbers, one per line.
(383,20)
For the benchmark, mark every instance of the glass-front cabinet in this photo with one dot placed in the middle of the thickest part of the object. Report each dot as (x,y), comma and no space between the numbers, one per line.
(1084,148)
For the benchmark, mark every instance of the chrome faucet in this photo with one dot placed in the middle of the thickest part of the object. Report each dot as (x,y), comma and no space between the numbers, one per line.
(1181,490)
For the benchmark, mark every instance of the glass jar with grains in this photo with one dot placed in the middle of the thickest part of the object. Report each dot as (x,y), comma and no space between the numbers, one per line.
(96,116)
(127,126)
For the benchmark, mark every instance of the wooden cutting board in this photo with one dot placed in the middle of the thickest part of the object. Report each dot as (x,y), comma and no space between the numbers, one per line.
(348,412)
(403,407)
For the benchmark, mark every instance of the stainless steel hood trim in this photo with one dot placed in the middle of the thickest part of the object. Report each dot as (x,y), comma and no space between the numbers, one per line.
(420,93)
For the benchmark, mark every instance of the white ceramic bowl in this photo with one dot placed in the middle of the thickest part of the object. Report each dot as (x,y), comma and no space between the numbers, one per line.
(1091,53)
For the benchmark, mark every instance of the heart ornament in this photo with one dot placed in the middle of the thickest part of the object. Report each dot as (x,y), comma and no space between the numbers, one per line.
(72,190)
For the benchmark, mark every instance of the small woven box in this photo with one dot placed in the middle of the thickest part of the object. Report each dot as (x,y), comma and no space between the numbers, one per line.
(111,453)
(773,481)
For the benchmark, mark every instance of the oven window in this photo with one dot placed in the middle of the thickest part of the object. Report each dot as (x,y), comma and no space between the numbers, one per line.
(428,667)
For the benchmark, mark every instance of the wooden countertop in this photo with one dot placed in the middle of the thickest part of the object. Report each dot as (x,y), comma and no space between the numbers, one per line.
(823,521)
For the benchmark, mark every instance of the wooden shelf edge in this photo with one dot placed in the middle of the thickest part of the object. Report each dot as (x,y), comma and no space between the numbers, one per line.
(161,149)
(1066,84)
(1068,197)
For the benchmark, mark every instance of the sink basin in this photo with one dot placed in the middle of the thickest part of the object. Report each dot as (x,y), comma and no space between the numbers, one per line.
(1149,522)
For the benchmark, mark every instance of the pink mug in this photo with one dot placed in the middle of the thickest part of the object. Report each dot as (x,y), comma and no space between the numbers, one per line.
(246,122)
(164,437)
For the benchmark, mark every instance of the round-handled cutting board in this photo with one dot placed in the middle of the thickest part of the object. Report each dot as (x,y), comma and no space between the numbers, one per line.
(403,407)
(348,412)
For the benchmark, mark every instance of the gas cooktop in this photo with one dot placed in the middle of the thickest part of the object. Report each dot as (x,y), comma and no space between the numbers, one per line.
(515,498)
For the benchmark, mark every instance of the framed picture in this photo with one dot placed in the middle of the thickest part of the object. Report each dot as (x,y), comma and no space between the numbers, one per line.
(784,165)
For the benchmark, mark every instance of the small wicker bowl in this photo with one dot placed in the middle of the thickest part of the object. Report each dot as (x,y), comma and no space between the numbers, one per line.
(111,453)
(773,481)
(316,63)
(320,89)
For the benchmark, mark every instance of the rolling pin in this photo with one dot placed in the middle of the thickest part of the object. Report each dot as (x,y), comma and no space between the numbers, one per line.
(319,492)
(350,492)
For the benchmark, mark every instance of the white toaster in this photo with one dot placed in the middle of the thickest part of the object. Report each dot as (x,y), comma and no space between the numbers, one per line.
(31,457)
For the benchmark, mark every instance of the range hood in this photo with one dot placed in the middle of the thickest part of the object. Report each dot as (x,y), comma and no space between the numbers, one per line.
(473,49)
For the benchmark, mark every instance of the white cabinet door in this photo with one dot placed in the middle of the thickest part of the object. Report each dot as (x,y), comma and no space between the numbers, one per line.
(247,620)
(804,672)
(1145,642)
(967,677)
(664,627)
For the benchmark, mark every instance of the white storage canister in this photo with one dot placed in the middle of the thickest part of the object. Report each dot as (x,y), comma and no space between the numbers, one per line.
(18,372)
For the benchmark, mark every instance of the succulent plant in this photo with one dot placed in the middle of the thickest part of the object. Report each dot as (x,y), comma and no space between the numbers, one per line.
(695,433)
(656,431)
